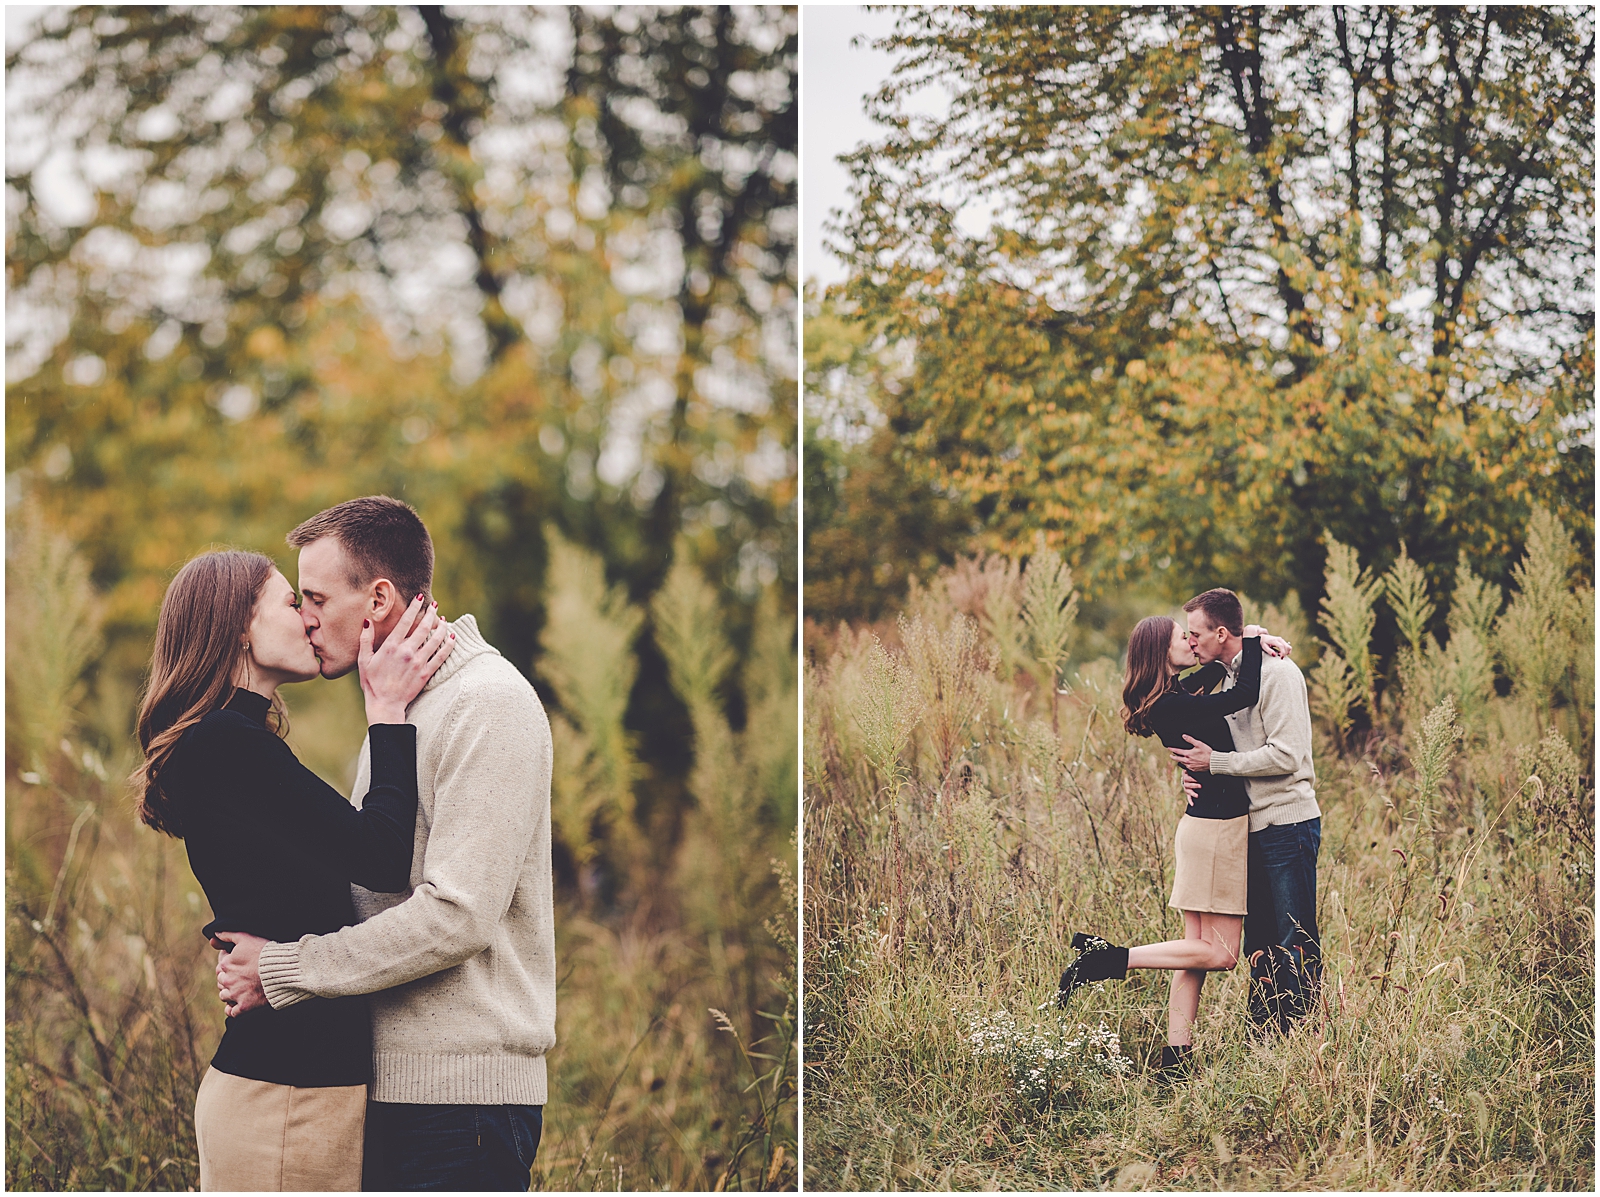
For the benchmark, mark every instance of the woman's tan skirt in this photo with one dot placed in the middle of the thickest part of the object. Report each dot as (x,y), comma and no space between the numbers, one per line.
(1211,875)
(255,1136)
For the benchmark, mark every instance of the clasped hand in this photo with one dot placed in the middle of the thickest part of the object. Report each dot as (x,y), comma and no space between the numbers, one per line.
(239,971)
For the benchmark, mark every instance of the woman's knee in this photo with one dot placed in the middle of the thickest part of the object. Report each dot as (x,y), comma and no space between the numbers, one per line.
(1222,938)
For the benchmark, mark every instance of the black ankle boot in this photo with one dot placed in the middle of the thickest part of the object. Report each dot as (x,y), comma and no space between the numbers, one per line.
(1097,961)
(1177,1062)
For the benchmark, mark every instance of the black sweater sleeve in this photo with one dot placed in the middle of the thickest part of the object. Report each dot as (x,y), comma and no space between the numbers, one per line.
(371,846)
(1202,679)
(1246,690)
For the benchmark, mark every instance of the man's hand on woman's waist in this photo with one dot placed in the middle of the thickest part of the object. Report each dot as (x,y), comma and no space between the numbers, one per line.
(239,971)
(1196,759)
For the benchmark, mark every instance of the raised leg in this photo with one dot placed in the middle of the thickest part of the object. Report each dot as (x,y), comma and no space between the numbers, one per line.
(1213,948)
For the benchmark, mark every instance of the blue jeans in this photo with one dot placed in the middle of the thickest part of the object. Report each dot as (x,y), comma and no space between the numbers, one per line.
(1280,932)
(471,1149)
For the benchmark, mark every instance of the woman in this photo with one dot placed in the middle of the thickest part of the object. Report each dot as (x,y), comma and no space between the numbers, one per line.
(275,849)
(1209,880)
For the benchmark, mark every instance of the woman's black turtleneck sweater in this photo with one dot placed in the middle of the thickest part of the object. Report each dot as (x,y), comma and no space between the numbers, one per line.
(1203,716)
(276,849)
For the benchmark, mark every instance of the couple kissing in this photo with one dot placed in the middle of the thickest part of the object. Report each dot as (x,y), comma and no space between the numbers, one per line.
(387,963)
(1246,844)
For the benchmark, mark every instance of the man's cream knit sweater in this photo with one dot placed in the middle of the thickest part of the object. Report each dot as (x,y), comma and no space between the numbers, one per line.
(462,969)
(1272,747)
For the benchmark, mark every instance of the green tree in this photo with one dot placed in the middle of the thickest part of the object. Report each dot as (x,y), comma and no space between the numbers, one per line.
(874,517)
(1242,275)
(522,267)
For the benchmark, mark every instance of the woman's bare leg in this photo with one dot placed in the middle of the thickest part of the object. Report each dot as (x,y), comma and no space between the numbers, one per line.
(1216,949)
(1210,944)
(1183,1003)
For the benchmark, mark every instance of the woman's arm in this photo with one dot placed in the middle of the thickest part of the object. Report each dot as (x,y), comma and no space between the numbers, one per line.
(371,846)
(1203,679)
(1246,690)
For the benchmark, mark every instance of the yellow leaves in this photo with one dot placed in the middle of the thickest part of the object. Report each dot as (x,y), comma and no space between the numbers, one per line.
(1136,370)
(265,342)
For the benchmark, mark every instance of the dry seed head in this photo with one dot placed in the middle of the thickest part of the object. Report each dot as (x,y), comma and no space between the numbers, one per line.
(1348,619)
(1436,744)
(1474,604)
(1407,590)
(887,708)
(1535,635)
(1049,609)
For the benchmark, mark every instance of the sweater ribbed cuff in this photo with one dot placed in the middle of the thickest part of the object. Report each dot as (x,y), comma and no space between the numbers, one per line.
(1222,763)
(281,978)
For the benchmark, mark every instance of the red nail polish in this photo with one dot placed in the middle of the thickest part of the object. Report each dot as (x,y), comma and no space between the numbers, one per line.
(366,623)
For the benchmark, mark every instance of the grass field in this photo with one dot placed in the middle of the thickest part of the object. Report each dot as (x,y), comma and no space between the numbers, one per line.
(958,831)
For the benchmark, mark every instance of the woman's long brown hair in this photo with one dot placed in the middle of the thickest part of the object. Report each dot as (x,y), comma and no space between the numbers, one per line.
(200,635)
(1150,672)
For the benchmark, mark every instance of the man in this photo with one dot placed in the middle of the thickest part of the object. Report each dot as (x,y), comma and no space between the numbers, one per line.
(462,969)
(1272,752)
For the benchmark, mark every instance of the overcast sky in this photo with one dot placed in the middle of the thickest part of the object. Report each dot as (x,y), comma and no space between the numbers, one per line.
(835,79)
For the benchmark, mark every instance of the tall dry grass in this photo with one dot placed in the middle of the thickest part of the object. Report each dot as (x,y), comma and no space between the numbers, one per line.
(1454,1044)
(676,993)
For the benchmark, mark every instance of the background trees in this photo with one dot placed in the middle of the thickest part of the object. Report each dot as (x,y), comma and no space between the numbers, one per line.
(531,270)
(1188,286)
(523,269)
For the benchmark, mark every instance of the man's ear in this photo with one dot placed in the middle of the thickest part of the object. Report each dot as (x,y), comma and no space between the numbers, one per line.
(383,601)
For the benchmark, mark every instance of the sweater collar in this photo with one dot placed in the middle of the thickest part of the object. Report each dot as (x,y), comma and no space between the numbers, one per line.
(469,643)
(1233,666)
(251,705)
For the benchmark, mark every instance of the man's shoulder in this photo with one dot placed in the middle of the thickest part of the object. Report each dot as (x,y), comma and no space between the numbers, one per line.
(1280,669)
(489,680)
(1283,688)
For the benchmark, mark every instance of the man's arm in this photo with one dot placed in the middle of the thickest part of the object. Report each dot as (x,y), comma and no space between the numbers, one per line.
(1286,719)
(491,800)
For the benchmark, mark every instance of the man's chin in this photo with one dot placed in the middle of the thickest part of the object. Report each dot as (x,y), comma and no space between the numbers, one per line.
(330,671)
